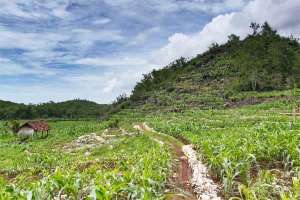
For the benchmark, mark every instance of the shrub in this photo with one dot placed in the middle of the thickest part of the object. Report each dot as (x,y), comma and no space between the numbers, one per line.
(114,123)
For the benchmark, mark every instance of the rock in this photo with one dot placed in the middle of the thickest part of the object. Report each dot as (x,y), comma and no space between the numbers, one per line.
(202,184)
(90,139)
(138,127)
(28,152)
(109,136)
(87,153)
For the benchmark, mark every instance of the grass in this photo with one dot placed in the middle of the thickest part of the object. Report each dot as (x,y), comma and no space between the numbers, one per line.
(133,167)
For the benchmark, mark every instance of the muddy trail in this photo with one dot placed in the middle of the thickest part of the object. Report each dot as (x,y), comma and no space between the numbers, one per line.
(179,187)
(182,174)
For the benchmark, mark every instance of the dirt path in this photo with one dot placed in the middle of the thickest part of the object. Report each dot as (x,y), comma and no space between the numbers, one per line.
(179,187)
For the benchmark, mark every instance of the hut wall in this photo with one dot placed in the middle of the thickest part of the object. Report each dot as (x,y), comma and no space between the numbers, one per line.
(26,132)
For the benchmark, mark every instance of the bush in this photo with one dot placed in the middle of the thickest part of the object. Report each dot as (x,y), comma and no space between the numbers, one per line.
(114,123)
(14,126)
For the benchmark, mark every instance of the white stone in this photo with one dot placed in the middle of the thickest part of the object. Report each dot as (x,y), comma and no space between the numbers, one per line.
(205,188)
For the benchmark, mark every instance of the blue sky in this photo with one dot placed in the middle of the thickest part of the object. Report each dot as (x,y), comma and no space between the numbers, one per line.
(97,49)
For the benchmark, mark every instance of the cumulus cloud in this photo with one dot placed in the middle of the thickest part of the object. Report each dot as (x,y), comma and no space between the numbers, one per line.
(213,7)
(113,62)
(34,9)
(8,67)
(85,38)
(99,87)
(281,14)
(105,86)
(102,21)
(29,41)
(34,93)
(168,6)
(11,68)
(141,38)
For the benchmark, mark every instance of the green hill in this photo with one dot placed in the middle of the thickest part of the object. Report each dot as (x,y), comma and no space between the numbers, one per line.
(73,109)
(263,61)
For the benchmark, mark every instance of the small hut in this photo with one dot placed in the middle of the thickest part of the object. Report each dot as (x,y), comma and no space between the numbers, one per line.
(30,128)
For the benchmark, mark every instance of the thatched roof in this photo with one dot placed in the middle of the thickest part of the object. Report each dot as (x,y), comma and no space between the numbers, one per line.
(37,125)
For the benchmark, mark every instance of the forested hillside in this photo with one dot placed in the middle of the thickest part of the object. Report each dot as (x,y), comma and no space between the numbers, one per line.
(74,109)
(263,61)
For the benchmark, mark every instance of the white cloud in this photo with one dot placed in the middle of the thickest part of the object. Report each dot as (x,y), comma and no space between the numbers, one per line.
(142,37)
(104,87)
(40,47)
(49,40)
(61,12)
(14,7)
(34,93)
(8,67)
(87,37)
(113,62)
(281,14)
(44,54)
(213,7)
(168,6)
(37,9)
(102,21)
(29,41)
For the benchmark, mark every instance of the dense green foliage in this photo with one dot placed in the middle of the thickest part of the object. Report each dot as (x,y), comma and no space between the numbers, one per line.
(263,61)
(267,61)
(74,109)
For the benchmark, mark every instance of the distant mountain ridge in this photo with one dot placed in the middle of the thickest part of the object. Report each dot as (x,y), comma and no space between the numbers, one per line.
(73,109)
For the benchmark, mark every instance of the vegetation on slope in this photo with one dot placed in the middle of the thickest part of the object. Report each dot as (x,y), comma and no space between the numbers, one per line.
(263,61)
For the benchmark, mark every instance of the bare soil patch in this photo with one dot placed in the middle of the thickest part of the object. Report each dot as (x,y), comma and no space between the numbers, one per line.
(253,101)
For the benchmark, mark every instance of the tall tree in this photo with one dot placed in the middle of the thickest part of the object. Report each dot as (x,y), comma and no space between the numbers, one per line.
(255,27)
